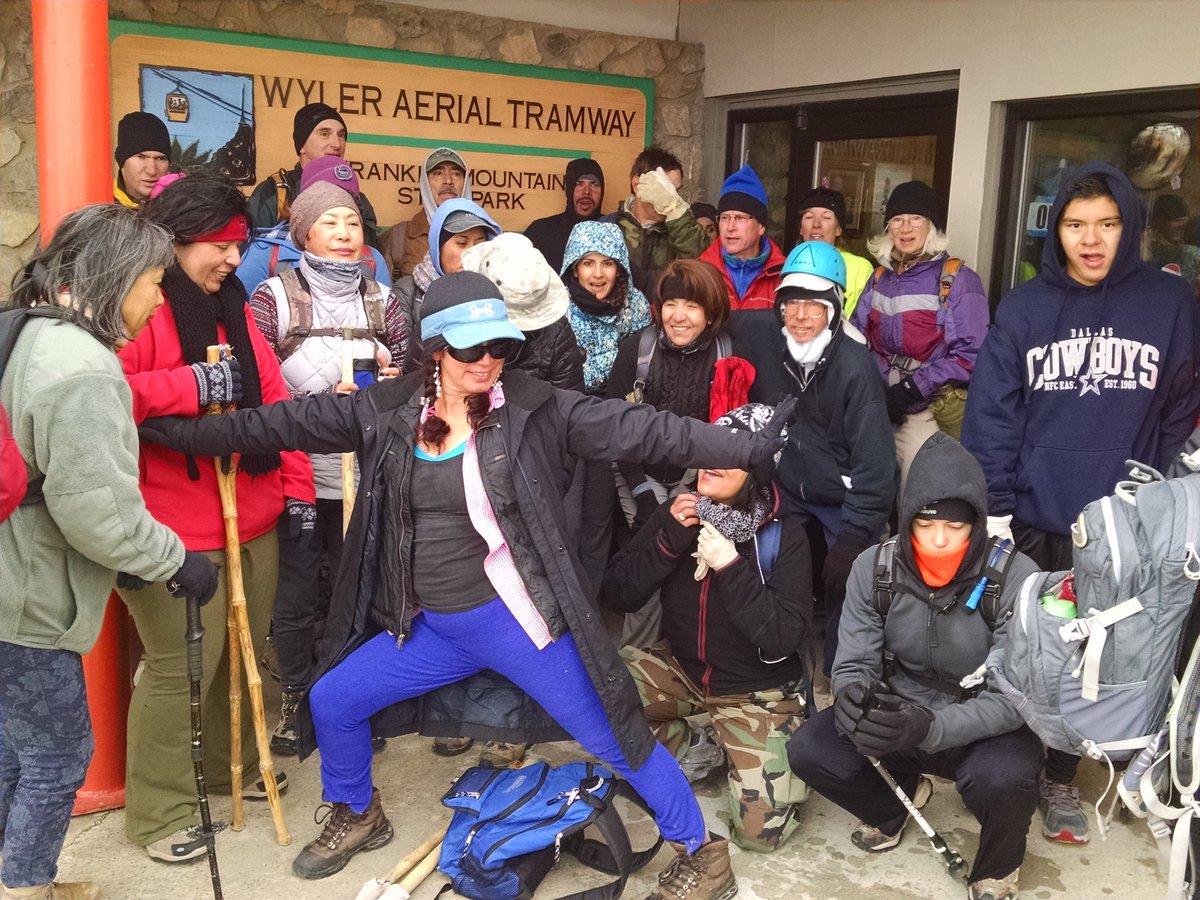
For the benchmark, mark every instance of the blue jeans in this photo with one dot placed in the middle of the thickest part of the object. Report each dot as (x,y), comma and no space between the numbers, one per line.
(45,747)
(446,647)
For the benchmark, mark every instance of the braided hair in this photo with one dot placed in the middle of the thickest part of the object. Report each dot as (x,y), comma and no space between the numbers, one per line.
(434,429)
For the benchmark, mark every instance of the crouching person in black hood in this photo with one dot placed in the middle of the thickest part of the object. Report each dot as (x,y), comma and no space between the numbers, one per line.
(458,561)
(918,712)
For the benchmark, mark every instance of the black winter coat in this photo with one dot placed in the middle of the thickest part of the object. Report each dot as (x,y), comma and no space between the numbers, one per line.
(552,355)
(528,450)
(731,632)
(840,449)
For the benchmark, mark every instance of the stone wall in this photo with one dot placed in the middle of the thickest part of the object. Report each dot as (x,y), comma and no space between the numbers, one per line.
(677,70)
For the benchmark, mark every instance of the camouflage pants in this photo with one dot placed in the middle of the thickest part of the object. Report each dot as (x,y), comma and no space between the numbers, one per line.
(763,795)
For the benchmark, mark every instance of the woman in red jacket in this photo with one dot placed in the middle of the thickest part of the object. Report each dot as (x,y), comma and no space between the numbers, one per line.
(166,368)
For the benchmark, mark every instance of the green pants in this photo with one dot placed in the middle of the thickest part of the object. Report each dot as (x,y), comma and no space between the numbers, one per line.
(160,787)
(763,794)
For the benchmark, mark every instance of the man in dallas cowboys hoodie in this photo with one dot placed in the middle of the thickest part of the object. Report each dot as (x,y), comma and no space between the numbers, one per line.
(1089,364)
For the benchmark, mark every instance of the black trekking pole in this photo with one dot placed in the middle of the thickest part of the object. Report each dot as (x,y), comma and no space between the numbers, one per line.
(954,863)
(195,662)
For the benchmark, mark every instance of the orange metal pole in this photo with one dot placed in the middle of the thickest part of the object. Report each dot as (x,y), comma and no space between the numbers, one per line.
(71,96)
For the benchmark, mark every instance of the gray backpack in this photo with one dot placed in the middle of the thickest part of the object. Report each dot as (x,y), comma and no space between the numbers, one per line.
(1100,684)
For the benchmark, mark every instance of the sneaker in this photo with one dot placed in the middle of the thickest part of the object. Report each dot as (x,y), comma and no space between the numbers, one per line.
(1006,888)
(377,744)
(703,756)
(703,875)
(268,660)
(258,790)
(452,746)
(873,840)
(1063,818)
(59,890)
(283,738)
(344,835)
(182,846)
(501,755)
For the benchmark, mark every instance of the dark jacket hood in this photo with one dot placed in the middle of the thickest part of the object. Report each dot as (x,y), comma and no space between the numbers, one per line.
(941,470)
(1129,250)
(576,168)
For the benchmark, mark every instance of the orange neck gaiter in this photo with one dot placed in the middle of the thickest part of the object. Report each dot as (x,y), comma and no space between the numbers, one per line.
(938,567)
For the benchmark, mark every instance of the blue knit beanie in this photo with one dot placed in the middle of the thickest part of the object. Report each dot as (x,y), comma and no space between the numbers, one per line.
(743,192)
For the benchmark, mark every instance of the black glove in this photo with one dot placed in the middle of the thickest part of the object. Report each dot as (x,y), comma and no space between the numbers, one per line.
(218,382)
(130,582)
(647,503)
(769,439)
(899,397)
(301,519)
(162,430)
(676,537)
(849,706)
(841,556)
(891,725)
(196,578)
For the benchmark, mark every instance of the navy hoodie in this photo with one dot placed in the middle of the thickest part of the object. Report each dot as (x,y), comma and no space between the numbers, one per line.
(1073,380)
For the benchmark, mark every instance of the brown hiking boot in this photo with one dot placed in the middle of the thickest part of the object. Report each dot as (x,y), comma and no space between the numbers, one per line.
(344,835)
(59,890)
(703,875)
(502,755)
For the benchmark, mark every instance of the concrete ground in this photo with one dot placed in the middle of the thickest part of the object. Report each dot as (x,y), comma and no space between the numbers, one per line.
(818,862)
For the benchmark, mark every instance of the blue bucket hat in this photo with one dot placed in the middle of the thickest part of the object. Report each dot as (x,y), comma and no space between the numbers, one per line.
(464,309)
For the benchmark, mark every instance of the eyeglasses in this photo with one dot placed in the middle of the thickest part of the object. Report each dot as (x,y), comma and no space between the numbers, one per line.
(906,221)
(498,349)
(806,309)
(733,219)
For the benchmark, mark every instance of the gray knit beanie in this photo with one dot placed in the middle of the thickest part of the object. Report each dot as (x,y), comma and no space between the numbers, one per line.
(312,203)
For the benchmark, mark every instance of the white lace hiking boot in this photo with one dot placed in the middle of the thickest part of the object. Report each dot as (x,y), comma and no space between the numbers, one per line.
(1063,816)
(869,838)
(703,875)
(1006,888)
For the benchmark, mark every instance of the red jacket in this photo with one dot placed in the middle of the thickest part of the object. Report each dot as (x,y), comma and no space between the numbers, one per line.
(761,293)
(12,470)
(164,386)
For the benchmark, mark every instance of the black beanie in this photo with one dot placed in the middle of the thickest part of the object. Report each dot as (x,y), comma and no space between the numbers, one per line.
(139,132)
(826,198)
(913,198)
(309,117)
(950,509)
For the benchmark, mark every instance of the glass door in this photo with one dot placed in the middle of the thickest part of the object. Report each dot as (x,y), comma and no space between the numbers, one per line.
(862,148)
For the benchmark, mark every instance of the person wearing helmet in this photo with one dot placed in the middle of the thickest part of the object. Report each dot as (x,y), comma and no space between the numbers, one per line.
(734,574)
(839,466)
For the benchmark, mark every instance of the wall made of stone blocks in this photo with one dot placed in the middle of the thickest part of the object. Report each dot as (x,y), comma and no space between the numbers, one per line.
(677,69)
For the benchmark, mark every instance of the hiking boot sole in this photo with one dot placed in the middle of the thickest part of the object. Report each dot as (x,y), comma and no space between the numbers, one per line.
(1066,836)
(374,842)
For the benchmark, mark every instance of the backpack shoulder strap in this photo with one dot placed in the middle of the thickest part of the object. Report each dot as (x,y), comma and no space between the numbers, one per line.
(615,855)
(646,341)
(282,206)
(880,271)
(724,346)
(273,262)
(1000,557)
(299,313)
(13,320)
(882,592)
(376,313)
(950,268)
(766,541)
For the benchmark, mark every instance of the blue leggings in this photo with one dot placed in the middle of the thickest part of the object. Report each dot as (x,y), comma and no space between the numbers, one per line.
(446,647)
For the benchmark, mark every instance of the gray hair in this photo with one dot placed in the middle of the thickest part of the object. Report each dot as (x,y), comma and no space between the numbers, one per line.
(90,265)
(881,245)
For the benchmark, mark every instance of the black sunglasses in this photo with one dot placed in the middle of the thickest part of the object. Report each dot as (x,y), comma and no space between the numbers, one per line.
(499,349)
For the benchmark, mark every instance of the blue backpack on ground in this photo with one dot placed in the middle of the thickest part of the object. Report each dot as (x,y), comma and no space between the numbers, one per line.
(510,826)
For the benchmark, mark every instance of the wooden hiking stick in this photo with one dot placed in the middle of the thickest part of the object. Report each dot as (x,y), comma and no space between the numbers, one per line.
(239,637)
(407,874)
(347,458)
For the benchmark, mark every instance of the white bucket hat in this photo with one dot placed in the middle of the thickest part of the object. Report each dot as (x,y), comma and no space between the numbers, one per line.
(534,294)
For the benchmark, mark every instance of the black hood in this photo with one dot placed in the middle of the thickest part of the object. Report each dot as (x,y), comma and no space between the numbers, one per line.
(576,168)
(941,470)
(1129,250)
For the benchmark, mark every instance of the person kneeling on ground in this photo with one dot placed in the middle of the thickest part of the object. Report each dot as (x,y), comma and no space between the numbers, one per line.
(456,563)
(920,720)
(735,576)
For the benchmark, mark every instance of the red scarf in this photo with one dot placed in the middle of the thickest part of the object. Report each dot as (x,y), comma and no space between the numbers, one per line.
(938,567)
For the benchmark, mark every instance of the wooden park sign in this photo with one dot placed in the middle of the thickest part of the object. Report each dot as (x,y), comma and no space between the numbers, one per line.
(228,101)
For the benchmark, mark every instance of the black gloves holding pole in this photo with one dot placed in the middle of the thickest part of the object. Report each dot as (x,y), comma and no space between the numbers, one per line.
(878,721)
(196,579)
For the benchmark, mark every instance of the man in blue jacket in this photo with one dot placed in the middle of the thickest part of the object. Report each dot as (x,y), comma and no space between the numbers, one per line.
(1089,364)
